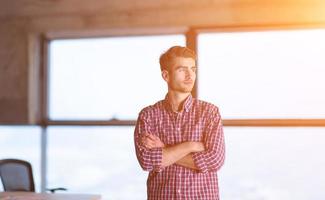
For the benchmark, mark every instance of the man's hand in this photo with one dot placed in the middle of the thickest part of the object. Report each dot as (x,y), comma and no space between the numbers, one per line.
(151,141)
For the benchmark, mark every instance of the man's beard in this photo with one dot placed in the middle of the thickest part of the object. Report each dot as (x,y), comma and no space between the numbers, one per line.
(182,89)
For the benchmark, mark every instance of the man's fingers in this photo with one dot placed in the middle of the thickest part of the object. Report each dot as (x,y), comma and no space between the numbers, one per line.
(144,141)
(153,137)
(151,141)
(148,139)
(147,142)
(149,136)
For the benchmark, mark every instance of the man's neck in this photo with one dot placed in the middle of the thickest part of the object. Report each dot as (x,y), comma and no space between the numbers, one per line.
(177,99)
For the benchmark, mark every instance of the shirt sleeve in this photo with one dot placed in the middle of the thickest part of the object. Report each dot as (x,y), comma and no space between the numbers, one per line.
(149,159)
(213,157)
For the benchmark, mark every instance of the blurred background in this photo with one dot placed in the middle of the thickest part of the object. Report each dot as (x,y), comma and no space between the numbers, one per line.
(75,74)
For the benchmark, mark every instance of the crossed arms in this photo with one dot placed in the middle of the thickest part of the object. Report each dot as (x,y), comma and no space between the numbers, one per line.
(179,154)
(204,156)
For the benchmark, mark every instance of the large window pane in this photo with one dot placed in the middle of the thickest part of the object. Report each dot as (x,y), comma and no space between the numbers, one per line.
(272,74)
(98,79)
(22,142)
(96,160)
(273,163)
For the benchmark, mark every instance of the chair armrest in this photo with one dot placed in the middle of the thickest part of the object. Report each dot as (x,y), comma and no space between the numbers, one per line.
(53,190)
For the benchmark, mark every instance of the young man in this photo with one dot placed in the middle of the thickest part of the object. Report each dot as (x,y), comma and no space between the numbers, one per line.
(179,140)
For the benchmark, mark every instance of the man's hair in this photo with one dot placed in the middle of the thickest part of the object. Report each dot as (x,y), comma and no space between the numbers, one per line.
(166,58)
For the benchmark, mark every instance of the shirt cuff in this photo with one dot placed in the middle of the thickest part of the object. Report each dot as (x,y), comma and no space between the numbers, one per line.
(156,159)
(199,161)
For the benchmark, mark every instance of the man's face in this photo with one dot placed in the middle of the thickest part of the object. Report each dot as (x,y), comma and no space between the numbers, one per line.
(181,75)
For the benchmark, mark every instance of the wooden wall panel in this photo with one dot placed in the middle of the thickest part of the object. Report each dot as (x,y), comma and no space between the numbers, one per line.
(13,70)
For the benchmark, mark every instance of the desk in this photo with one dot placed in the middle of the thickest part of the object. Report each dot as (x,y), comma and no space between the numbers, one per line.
(45,196)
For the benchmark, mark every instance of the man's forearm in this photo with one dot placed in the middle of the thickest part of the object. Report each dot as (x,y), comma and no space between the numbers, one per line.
(172,154)
(187,161)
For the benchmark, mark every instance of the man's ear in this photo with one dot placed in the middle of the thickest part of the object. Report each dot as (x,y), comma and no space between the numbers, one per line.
(165,75)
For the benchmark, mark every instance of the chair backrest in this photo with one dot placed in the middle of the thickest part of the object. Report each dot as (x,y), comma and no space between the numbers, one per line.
(16,175)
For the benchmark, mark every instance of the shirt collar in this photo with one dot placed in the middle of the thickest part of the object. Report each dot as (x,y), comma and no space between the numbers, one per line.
(186,105)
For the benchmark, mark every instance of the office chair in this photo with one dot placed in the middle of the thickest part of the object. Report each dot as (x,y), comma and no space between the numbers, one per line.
(17,175)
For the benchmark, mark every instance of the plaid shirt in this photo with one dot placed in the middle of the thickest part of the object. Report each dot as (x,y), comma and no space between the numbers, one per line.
(198,121)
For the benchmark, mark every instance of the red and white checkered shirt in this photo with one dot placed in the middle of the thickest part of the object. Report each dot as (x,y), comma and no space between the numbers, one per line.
(198,121)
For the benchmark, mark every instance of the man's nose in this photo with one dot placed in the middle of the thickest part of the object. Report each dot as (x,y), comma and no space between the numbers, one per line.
(189,73)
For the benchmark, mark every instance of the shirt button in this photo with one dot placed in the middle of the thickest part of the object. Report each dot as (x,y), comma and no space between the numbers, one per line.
(179,191)
(179,175)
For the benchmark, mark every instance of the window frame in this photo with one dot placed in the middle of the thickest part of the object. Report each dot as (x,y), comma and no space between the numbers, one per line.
(270,122)
(191,35)
(47,38)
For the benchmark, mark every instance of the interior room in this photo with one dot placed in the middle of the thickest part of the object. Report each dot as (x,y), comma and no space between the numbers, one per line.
(74,76)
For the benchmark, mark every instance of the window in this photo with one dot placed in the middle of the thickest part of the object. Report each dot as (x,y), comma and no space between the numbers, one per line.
(249,75)
(273,163)
(105,78)
(265,75)
(98,160)
(271,74)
